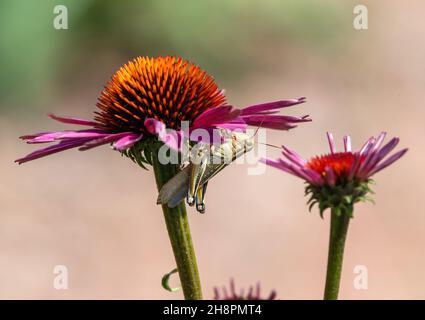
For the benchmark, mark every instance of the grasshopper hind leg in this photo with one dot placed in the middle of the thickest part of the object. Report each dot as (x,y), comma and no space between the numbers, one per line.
(200,198)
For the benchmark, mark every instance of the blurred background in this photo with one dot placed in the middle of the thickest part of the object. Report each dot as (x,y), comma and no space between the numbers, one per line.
(95,212)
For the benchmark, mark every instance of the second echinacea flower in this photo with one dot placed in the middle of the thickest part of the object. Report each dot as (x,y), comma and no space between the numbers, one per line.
(337,181)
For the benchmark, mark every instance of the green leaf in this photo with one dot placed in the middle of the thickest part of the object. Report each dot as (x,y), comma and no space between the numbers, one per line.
(348,199)
(166,279)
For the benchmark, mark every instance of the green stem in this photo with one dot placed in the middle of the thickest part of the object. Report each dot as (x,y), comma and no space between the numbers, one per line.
(179,233)
(338,234)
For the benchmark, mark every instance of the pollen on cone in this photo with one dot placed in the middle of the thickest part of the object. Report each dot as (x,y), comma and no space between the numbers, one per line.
(167,89)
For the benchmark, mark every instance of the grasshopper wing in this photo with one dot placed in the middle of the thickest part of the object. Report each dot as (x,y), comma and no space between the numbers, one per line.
(175,189)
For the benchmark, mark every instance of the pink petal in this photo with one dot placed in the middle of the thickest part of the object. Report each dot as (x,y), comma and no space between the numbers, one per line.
(173,139)
(371,155)
(315,178)
(207,135)
(388,162)
(367,146)
(385,150)
(270,106)
(61,135)
(215,117)
(293,156)
(302,172)
(277,122)
(154,126)
(355,165)
(347,143)
(233,126)
(63,145)
(35,135)
(72,120)
(276,164)
(331,142)
(127,142)
(93,143)
(330,176)
(379,155)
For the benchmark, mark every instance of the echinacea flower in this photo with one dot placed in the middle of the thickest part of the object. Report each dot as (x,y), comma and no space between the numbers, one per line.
(147,99)
(337,181)
(144,106)
(251,294)
(340,179)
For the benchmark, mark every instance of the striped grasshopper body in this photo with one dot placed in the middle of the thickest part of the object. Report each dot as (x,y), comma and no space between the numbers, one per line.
(206,160)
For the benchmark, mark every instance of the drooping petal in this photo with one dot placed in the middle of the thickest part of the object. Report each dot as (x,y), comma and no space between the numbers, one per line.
(233,125)
(61,146)
(279,165)
(93,143)
(293,156)
(208,135)
(303,172)
(270,106)
(314,176)
(216,116)
(72,120)
(127,141)
(277,122)
(62,135)
(34,135)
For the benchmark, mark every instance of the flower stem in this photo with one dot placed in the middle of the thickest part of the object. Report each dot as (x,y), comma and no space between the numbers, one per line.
(338,234)
(179,233)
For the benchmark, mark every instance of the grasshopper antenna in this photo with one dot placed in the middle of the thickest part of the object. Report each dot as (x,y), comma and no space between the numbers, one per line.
(269,145)
(256,132)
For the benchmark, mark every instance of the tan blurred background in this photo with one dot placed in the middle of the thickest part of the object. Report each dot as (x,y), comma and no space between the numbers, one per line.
(95,212)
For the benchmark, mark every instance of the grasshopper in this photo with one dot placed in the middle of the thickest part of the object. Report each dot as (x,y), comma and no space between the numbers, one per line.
(206,160)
